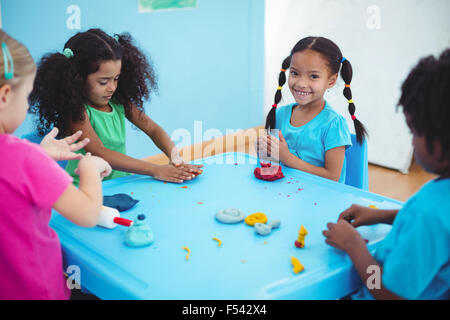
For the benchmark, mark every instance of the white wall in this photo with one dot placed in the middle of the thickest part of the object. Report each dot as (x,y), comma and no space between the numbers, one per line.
(383,39)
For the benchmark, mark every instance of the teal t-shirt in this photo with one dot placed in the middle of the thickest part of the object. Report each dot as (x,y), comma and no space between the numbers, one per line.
(110,128)
(309,142)
(415,255)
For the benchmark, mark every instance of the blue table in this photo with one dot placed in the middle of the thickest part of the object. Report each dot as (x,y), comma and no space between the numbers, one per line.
(246,265)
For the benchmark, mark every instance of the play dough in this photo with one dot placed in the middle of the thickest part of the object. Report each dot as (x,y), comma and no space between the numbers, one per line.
(258,217)
(265,229)
(298,267)
(230,215)
(139,234)
(300,243)
(268,172)
(119,201)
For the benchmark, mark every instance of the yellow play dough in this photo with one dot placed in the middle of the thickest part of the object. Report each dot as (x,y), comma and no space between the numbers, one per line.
(258,217)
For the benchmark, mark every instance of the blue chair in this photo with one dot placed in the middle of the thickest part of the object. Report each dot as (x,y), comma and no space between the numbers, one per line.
(36,138)
(357,165)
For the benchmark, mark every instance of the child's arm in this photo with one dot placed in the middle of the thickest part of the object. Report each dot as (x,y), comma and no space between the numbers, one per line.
(153,130)
(344,237)
(159,137)
(122,162)
(365,216)
(334,158)
(82,206)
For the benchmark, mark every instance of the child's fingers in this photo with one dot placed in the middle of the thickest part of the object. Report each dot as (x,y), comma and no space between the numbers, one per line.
(195,168)
(53,133)
(72,156)
(79,145)
(347,214)
(185,175)
(174,179)
(71,139)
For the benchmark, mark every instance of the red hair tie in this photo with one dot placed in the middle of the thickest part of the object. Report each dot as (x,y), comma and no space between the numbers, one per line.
(274,105)
(353,117)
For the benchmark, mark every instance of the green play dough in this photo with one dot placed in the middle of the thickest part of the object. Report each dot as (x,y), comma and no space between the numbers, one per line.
(139,234)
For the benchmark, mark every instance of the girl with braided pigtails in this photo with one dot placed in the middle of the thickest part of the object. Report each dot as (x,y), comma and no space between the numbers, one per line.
(96,83)
(311,137)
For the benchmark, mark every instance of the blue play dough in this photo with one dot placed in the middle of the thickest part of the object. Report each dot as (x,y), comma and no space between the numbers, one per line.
(265,229)
(119,201)
(230,215)
(139,234)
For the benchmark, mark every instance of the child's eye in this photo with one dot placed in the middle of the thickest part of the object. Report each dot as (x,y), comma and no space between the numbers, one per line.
(314,76)
(294,73)
(103,83)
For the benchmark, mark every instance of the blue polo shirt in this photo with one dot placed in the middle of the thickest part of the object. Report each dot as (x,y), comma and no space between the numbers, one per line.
(311,141)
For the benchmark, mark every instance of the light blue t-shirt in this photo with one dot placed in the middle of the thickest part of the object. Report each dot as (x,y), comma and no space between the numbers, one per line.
(415,255)
(309,142)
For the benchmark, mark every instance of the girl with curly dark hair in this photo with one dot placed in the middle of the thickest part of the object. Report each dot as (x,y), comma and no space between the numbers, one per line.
(92,86)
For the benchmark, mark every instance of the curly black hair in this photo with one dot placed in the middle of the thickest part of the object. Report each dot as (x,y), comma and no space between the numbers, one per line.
(426,99)
(331,52)
(59,92)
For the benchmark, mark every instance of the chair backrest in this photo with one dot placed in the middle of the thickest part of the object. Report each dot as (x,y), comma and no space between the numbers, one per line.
(36,138)
(357,165)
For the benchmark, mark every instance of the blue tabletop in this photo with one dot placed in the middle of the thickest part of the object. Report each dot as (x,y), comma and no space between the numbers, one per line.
(246,265)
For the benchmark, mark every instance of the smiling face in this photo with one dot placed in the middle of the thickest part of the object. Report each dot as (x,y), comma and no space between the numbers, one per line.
(101,85)
(309,77)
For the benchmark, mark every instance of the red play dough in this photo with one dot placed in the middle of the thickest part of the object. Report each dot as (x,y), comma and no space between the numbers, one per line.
(298,244)
(270,173)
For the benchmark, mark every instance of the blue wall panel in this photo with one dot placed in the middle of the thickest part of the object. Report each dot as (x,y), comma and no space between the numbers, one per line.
(209,60)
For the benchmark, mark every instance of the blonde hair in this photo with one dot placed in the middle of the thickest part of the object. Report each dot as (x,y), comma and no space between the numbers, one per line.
(23,62)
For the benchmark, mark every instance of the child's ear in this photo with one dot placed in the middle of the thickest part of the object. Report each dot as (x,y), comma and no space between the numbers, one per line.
(5,93)
(332,80)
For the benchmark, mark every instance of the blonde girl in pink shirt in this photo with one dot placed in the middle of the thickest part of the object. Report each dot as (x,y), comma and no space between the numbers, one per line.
(32,183)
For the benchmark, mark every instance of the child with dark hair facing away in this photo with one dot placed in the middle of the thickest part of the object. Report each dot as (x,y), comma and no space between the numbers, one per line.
(312,137)
(92,86)
(414,258)
(32,183)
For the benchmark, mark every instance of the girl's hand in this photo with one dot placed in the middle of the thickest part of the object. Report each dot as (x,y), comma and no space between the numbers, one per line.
(175,174)
(272,148)
(63,149)
(358,215)
(264,151)
(175,158)
(343,236)
(178,162)
(103,167)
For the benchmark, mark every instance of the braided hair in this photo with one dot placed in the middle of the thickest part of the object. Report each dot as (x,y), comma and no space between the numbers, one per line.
(59,92)
(331,52)
(425,98)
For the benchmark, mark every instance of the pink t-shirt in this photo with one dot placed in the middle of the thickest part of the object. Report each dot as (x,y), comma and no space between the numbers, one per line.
(31,264)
